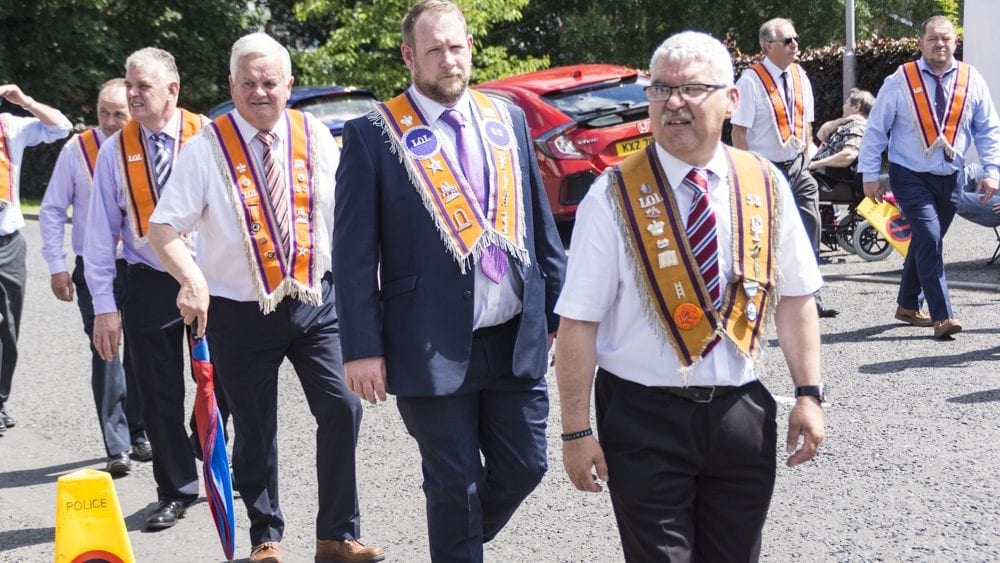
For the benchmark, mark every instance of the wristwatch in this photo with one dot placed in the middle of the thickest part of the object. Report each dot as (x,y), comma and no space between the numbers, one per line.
(818,391)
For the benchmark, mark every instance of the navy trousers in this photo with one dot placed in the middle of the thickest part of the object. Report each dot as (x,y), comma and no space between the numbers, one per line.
(116,395)
(493,413)
(247,348)
(13,277)
(928,202)
(156,337)
(688,481)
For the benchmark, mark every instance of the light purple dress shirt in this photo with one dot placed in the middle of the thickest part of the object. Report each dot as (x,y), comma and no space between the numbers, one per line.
(109,221)
(70,185)
(23,132)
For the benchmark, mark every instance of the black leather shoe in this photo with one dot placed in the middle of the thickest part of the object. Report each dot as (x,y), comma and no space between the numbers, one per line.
(119,465)
(3,426)
(6,419)
(826,312)
(165,515)
(142,450)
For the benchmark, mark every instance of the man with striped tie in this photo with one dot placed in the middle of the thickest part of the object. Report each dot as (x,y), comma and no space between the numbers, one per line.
(258,185)
(119,407)
(702,254)
(131,173)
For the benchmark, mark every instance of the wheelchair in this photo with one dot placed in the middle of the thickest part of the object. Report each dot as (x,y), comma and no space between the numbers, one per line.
(840,192)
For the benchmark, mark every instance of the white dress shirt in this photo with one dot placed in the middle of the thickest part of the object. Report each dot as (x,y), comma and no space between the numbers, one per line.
(23,132)
(601,286)
(756,113)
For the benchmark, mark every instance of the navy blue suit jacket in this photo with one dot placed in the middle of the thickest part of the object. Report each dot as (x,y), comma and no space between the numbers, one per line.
(420,319)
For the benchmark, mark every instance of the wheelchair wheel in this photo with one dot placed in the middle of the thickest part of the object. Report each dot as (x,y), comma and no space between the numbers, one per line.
(869,244)
(845,238)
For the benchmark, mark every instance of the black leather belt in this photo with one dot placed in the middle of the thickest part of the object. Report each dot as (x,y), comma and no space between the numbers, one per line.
(699,394)
(141,266)
(788,163)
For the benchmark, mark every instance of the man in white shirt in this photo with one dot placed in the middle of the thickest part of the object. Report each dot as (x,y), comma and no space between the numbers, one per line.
(679,256)
(258,185)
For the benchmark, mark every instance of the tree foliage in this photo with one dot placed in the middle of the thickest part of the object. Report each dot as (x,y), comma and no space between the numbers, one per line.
(363,50)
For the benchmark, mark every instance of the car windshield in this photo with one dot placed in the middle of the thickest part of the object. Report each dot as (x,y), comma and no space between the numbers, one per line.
(602,99)
(338,108)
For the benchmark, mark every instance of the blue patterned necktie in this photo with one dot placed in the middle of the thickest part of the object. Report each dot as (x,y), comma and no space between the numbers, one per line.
(702,234)
(493,261)
(161,160)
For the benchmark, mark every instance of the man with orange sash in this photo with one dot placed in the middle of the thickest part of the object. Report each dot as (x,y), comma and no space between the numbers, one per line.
(448,265)
(119,407)
(775,120)
(681,255)
(45,125)
(935,107)
(258,185)
(131,172)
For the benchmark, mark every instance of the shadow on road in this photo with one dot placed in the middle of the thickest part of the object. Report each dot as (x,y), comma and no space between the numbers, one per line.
(942,360)
(992,395)
(40,475)
(13,539)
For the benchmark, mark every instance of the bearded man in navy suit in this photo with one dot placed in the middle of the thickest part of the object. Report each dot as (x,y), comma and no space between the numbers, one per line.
(447,266)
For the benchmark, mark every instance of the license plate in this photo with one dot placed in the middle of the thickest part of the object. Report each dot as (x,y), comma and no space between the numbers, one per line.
(625,148)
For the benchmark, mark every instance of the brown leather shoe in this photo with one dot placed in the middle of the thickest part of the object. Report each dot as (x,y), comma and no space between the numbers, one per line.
(944,329)
(913,317)
(334,551)
(267,552)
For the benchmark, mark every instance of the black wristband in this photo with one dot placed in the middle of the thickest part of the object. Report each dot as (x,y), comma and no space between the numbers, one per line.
(576,435)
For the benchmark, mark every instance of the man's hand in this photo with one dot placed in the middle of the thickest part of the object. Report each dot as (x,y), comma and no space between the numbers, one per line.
(107,335)
(62,286)
(366,377)
(581,458)
(13,94)
(987,187)
(192,302)
(805,423)
(874,191)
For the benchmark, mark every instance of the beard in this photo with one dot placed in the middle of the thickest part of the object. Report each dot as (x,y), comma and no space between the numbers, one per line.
(444,90)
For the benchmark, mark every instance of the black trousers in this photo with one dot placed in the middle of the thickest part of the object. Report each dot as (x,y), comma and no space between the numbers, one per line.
(116,395)
(156,337)
(13,277)
(688,481)
(247,349)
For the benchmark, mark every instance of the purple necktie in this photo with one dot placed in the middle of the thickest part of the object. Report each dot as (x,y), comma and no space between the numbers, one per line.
(940,103)
(702,234)
(494,260)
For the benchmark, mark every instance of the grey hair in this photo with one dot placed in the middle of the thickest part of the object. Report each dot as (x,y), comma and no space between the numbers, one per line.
(861,99)
(770,27)
(262,45)
(695,46)
(110,85)
(148,57)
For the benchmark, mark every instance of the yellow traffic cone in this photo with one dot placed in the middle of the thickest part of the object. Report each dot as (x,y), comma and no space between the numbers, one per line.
(89,523)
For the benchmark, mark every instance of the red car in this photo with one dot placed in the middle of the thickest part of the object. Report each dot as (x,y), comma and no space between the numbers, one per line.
(583,118)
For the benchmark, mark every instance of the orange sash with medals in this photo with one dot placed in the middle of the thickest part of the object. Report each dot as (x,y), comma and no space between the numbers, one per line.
(435,172)
(88,144)
(789,124)
(667,273)
(6,178)
(137,170)
(278,272)
(932,133)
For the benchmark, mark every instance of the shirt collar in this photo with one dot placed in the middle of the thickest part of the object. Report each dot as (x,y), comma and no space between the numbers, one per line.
(172,128)
(676,169)
(248,132)
(925,67)
(773,68)
(432,110)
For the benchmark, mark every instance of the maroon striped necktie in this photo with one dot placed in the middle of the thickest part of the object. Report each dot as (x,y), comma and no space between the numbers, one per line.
(275,186)
(702,234)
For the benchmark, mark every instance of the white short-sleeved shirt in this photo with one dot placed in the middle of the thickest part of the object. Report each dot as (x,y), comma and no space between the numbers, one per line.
(601,286)
(757,115)
(198,197)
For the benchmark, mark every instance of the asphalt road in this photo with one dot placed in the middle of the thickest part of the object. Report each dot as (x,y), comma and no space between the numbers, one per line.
(908,472)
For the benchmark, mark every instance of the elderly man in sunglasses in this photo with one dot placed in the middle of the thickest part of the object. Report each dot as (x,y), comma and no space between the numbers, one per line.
(775,120)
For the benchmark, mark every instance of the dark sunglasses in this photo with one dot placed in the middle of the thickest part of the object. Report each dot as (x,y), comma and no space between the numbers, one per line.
(786,41)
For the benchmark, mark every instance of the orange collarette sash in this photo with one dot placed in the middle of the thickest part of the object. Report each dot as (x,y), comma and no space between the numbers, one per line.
(137,170)
(88,144)
(278,272)
(676,298)
(436,174)
(936,134)
(6,178)
(789,126)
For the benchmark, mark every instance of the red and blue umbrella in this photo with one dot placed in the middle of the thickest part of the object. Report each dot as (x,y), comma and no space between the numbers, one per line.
(215,462)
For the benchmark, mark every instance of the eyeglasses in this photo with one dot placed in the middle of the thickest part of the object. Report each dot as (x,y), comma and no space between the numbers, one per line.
(786,41)
(687,92)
